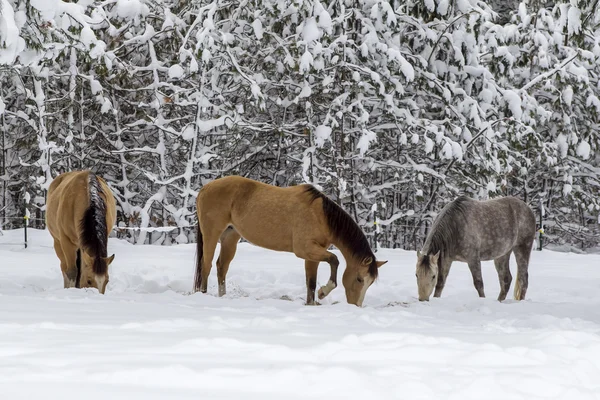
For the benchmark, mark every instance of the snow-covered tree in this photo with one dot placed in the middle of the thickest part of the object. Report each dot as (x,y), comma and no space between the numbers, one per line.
(391,107)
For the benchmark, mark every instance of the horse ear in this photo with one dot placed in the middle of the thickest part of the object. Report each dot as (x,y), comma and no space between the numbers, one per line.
(380,263)
(367,260)
(109,260)
(436,257)
(419,255)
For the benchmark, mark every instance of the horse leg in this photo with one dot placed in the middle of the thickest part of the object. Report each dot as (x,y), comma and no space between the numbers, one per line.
(442,275)
(311,268)
(475,267)
(522,254)
(63,264)
(210,239)
(68,262)
(504,276)
(312,251)
(229,242)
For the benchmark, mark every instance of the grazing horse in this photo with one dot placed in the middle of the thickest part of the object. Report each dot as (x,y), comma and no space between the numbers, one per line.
(297,219)
(80,213)
(473,231)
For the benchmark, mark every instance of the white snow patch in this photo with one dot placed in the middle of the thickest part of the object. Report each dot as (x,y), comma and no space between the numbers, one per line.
(428,145)
(188,133)
(324,18)
(176,71)
(574,20)
(193,65)
(443,6)
(106,105)
(365,141)
(11,44)
(567,95)
(258,29)
(206,125)
(306,91)
(513,101)
(584,149)
(322,133)
(130,9)
(310,31)
(44,5)
(405,67)
(457,151)
(563,146)
(305,62)
(149,338)
(87,36)
(95,86)
(447,150)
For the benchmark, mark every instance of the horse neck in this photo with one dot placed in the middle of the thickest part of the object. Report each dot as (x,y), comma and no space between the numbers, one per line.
(346,252)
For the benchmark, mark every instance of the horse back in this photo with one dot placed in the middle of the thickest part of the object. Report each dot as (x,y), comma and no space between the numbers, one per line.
(268,216)
(500,225)
(68,200)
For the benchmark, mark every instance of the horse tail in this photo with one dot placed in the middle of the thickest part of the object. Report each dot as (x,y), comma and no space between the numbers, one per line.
(78,264)
(518,289)
(93,229)
(199,253)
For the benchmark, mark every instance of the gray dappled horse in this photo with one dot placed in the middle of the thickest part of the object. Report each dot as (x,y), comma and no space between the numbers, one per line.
(472,231)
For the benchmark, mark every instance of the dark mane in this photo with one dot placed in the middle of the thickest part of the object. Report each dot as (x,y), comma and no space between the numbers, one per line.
(345,229)
(445,229)
(93,226)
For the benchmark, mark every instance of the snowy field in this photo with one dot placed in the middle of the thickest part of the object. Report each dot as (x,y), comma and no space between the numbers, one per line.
(148,338)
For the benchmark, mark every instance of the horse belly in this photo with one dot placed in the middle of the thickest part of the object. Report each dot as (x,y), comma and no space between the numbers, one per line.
(267,237)
(491,248)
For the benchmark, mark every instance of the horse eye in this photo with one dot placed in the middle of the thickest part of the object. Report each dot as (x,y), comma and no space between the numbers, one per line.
(360,280)
(433,278)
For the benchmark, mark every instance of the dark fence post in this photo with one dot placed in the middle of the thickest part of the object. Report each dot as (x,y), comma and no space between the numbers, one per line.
(541,230)
(26,216)
(376,232)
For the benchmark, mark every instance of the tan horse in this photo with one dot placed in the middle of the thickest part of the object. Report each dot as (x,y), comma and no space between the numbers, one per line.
(298,219)
(80,214)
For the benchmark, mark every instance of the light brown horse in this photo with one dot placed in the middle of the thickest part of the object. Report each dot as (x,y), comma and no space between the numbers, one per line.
(80,214)
(297,219)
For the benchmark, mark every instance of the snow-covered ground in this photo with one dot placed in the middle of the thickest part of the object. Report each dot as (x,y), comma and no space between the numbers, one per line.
(148,338)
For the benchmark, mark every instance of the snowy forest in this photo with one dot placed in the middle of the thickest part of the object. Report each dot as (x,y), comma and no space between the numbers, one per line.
(392,108)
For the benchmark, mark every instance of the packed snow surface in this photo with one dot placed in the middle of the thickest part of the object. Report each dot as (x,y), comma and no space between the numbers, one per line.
(149,338)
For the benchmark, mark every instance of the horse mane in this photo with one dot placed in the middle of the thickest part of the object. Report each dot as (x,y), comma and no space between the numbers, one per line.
(445,230)
(93,226)
(345,229)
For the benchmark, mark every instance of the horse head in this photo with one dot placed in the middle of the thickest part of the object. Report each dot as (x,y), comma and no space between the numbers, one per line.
(358,276)
(94,271)
(427,273)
